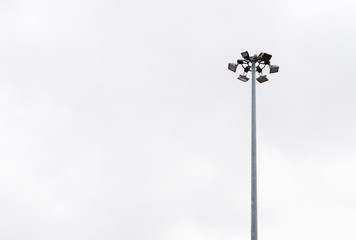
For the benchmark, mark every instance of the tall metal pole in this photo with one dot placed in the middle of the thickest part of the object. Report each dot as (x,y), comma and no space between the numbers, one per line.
(262,60)
(253,156)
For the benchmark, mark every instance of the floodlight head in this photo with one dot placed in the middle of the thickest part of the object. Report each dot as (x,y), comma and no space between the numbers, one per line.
(245,55)
(246,69)
(266,57)
(262,79)
(259,69)
(243,78)
(273,69)
(240,61)
(232,67)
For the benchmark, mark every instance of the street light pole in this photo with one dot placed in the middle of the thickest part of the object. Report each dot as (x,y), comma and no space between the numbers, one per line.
(253,156)
(249,64)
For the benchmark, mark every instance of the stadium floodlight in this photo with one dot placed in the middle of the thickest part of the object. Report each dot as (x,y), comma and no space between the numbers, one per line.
(262,79)
(265,57)
(243,78)
(245,55)
(232,67)
(273,69)
(254,64)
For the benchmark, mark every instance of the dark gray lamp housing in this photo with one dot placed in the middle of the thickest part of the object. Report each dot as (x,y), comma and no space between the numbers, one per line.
(245,55)
(243,78)
(273,69)
(232,67)
(262,79)
(266,57)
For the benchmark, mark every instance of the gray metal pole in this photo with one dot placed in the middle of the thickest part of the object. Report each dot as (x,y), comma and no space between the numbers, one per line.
(253,156)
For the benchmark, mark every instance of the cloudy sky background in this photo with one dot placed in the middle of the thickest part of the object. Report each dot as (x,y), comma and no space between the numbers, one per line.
(120,120)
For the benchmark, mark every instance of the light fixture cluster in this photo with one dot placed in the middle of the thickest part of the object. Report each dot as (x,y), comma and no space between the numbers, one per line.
(261,61)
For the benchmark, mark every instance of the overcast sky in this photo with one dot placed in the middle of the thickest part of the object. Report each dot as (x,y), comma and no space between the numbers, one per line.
(120,120)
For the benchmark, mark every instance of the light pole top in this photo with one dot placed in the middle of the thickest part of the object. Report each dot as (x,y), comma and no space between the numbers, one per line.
(262,60)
